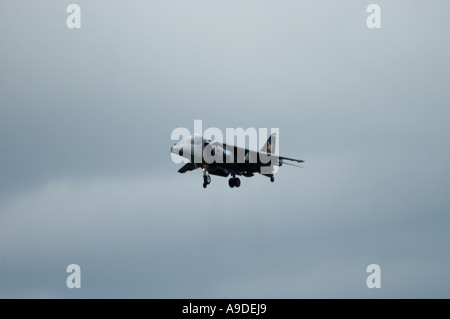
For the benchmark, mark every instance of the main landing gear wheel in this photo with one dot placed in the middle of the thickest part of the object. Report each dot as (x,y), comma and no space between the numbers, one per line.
(272,179)
(234,182)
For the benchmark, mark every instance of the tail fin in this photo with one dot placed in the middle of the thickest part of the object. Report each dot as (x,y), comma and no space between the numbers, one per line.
(269,147)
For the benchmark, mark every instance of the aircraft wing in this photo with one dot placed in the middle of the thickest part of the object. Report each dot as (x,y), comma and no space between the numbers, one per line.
(188,167)
(236,149)
(267,150)
(248,152)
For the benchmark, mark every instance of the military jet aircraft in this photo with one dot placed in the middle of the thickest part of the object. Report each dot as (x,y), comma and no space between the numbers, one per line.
(223,160)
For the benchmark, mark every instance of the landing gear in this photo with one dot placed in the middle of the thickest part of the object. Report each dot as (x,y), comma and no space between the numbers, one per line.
(234,182)
(206,178)
(272,179)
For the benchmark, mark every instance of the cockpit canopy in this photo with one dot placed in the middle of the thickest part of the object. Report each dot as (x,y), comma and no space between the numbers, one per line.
(196,139)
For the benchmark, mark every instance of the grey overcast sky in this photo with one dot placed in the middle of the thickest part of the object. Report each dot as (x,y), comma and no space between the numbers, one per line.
(86,175)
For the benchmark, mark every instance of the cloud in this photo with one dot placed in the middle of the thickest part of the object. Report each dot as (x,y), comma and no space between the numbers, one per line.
(168,237)
(86,175)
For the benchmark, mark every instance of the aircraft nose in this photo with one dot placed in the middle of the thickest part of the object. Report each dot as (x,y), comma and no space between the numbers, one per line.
(171,148)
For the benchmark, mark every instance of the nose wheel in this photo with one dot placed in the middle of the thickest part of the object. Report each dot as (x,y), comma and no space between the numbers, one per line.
(234,182)
(206,179)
